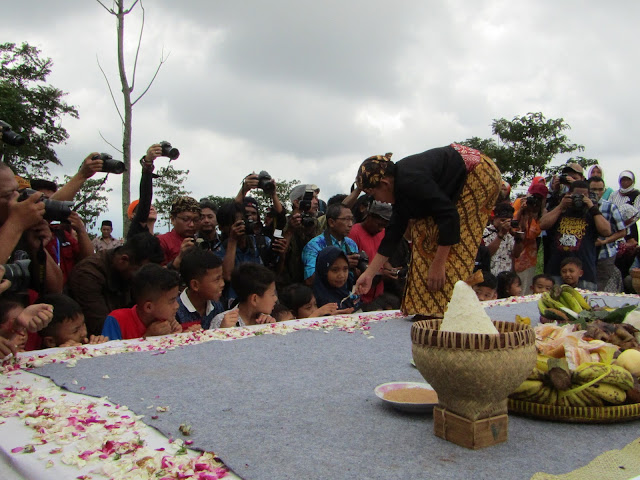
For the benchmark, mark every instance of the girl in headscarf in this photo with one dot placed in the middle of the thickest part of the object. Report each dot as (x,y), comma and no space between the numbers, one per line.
(450,191)
(596,171)
(627,194)
(331,282)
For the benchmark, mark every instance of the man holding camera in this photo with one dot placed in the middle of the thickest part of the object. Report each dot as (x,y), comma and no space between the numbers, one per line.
(573,228)
(185,218)
(608,275)
(503,239)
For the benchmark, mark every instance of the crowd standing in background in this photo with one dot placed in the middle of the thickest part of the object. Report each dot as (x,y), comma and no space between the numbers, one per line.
(397,240)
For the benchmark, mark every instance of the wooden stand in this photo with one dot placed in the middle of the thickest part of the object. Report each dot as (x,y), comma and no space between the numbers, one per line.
(468,433)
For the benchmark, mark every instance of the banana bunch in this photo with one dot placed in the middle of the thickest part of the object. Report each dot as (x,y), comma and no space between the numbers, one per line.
(591,385)
(562,304)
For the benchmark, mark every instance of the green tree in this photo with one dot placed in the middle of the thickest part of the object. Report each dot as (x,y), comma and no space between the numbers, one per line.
(217,201)
(33,108)
(526,145)
(283,189)
(166,187)
(91,200)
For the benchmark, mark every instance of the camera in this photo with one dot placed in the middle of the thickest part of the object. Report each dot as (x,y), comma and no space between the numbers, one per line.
(577,201)
(249,226)
(18,274)
(363,261)
(533,201)
(515,223)
(265,183)
(169,151)
(109,165)
(305,207)
(9,136)
(54,210)
(593,197)
(564,179)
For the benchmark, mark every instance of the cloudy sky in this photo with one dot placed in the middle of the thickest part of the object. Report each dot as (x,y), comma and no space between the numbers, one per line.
(306,90)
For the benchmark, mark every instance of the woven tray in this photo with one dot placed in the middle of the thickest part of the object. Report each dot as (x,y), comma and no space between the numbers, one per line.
(615,414)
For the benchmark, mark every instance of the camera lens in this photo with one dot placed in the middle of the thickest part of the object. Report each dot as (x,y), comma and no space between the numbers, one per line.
(169,151)
(18,274)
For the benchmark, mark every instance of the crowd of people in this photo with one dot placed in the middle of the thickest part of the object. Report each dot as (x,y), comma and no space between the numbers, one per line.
(225,266)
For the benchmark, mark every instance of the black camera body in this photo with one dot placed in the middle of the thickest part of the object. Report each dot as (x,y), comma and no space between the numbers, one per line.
(109,165)
(577,201)
(363,261)
(564,179)
(249,226)
(169,151)
(9,136)
(305,208)
(532,201)
(265,183)
(19,275)
(515,223)
(54,210)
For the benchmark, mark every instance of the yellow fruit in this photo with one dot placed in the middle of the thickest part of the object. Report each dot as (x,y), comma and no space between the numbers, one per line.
(629,360)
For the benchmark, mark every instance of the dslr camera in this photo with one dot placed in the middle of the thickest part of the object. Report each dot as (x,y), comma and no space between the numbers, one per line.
(54,210)
(249,226)
(18,274)
(532,201)
(363,261)
(9,136)
(109,165)
(169,151)
(577,201)
(265,183)
(564,179)
(305,207)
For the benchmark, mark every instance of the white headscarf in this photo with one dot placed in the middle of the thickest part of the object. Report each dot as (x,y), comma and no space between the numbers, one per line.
(628,174)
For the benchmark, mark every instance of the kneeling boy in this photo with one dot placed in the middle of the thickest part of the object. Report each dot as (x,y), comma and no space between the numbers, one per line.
(155,290)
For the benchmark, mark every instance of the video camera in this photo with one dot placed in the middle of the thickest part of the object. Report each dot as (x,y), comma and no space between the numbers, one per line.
(9,136)
(54,210)
(109,165)
(18,274)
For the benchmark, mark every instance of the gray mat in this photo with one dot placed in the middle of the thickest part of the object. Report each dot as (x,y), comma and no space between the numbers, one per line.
(302,406)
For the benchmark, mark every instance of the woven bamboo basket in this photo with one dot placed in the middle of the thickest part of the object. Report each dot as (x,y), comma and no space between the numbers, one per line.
(612,414)
(473,373)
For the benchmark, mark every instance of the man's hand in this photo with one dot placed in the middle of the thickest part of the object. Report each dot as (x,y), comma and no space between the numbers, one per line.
(280,245)
(153,152)
(566,202)
(27,213)
(353,259)
(76,222)
(161,327)
(237,230)
(504,227)
(230,319)
(587,201)
(295,221)
(249,183)
(39,234)
(363,284)
(36,317)
(90,165)
(436,277)
(6,348)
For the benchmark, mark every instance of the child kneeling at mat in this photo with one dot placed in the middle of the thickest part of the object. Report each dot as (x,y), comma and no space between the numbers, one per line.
(255,287)
(155,290)
(67,328)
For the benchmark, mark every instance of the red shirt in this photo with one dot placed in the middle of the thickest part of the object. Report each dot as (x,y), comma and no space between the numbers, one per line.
(170,243)
(370,245)
(130,324)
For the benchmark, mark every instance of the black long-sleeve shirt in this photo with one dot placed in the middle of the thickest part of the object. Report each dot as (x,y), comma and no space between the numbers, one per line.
(427,184)
(142,212)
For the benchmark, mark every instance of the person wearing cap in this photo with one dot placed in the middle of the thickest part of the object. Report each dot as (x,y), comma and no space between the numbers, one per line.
(573,228)
(502,239)
(368,235)
(559,184)
(322,205)
(106,241)
(185,218)
(627,194)
(450,191)
(608,276)
(527,213)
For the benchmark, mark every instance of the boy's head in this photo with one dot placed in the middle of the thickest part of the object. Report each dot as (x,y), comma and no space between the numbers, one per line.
(67,323)
(487,290)
(255,285)
(155,290)
(282,313)
(571,271)
(299,298)
(9,327)
(201,270)
(541,283)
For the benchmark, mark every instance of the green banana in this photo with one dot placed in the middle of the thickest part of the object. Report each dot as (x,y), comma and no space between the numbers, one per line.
(574,400)
(615,375)
(550,302)
(576,295)
(527,389)
(570,302)
(608,393)
(590,399)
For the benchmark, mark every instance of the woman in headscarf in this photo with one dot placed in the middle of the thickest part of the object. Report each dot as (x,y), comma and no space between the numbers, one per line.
(596,171)
(627,194)
(450,191)
(331,282)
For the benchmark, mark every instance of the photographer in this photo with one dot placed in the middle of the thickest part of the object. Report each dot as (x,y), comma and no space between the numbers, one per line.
(142,214)
(207,236)
(270,250)
(185,218)
(573,228)
(560,184)
(503,239)
(267,184)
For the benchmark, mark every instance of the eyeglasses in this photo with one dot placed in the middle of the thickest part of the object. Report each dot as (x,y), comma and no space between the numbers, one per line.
(188,219)
(347,219)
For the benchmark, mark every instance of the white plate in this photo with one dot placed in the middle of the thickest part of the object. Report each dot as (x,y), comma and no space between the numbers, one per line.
(380,390)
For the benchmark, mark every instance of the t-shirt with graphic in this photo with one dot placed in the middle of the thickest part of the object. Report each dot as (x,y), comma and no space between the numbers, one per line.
(574,236)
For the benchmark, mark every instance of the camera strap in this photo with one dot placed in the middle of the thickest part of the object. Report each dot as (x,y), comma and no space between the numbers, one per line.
(41,257)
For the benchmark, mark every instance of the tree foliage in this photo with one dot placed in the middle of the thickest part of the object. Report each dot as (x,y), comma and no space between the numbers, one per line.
(218,201)
(526,145)
(283,189)
(91,200)
(33,108)
(582,161)
(167,186)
